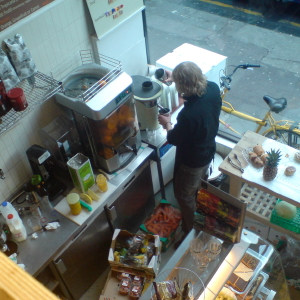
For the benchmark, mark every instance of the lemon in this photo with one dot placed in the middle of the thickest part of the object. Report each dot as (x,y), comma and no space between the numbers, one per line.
(93,195)
(86,198)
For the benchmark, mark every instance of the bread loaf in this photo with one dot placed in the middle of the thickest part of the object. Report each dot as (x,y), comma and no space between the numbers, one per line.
(264,158)
(258,162)
(258,149)
(289,171)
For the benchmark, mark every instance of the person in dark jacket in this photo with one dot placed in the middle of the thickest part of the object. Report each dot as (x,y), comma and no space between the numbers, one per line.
(193,135)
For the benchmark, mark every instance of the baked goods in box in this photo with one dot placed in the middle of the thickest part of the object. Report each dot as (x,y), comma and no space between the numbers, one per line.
(135,291)
(250,261)
(289,171)
(124,286)
(237,282)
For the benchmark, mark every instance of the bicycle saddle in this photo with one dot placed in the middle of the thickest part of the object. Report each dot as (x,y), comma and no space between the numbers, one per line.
(276,105)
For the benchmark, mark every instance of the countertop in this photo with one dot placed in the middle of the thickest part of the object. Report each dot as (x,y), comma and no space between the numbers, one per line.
(37,254)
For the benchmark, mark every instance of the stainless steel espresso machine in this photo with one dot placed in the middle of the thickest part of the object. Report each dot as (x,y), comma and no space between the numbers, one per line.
(103,106)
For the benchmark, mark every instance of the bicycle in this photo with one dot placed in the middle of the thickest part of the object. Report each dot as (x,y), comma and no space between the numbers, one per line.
(284,131)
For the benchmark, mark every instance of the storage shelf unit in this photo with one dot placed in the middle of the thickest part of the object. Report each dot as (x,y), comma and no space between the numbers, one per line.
(44,87)
(260,207)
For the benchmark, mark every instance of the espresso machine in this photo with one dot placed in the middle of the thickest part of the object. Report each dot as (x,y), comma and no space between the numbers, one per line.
(103,107)
(41,164)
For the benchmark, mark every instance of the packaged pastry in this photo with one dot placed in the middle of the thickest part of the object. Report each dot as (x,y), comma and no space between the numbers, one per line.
(20,57)
(135,291)
(124,286)
(137,280)
(254,287)
(167,290)
(8,74)
(123,276)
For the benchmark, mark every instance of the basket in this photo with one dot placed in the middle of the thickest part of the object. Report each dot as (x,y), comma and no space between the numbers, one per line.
(182,276)
(292,225)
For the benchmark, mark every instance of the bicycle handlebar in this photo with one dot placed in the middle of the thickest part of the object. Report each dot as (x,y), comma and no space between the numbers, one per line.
(227,79)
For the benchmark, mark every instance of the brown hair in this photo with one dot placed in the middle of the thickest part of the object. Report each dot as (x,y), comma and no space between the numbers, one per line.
(189,79)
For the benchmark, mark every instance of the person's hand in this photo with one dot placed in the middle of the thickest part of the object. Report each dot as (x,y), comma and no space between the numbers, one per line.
(170,76)
(164,120)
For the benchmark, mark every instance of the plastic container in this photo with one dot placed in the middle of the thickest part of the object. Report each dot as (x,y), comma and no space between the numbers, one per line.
(292,225)
(135,291)
(7,208)
(16,227)
(124,286)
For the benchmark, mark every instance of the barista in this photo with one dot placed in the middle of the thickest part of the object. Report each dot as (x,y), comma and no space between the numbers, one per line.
(193,135)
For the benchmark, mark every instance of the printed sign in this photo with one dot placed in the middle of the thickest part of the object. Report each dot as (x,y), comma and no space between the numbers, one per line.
(12,11)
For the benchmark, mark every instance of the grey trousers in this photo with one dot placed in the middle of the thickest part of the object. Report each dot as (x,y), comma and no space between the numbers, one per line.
(186,184)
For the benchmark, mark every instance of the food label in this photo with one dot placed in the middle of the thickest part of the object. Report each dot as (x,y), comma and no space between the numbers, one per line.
(125,283)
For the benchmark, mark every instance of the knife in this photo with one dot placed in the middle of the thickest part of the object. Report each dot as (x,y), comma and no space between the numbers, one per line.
(83,204)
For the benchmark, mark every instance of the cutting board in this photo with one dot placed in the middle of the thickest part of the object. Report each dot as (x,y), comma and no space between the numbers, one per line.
(63,207)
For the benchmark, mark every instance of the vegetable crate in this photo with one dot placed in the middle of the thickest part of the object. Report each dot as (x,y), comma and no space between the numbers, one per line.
(292,225)
(153,265)
(164,222)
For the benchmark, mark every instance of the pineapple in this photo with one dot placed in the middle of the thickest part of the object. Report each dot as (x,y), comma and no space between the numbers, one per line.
(270,169)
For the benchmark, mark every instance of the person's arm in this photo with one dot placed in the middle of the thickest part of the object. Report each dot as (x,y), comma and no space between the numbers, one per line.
(180,132)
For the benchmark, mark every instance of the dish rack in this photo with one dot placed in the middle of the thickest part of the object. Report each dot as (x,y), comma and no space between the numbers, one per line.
(86,57)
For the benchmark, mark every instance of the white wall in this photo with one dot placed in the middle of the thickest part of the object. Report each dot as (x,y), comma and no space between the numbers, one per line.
(52,34)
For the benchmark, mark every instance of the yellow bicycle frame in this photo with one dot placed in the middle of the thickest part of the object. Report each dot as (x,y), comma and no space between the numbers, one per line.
(274,125)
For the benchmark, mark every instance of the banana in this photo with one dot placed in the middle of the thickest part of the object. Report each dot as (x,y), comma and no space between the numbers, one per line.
(86,198)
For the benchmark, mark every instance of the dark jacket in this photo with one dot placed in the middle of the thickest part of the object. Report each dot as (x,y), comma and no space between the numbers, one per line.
(196,128)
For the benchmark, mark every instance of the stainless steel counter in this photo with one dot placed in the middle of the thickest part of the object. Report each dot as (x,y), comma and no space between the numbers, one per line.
(37,254)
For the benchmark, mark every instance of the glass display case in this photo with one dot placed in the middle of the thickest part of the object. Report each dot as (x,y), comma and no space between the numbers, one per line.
(249,270)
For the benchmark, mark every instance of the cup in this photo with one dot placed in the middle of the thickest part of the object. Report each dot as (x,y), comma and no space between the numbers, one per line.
(196,248)
(161,75)
(202,262)
(214,248)
(101,182)
(17,99)
(74,203)
(151,135)
(35,223)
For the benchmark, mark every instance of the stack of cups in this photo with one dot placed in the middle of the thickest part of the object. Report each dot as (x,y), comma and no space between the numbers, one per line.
(198,253)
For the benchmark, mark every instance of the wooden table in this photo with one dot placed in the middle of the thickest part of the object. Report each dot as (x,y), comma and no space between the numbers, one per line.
(261,200)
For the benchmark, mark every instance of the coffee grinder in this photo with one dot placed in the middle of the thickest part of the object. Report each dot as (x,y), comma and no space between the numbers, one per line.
(41,164)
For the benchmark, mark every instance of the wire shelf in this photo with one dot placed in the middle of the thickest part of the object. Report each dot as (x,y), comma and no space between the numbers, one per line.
(85,57)
(44,88)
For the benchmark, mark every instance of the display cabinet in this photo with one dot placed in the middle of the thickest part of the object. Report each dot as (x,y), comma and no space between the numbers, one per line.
(266,269)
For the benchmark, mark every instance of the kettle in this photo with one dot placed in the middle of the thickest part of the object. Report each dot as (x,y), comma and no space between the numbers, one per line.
(147,95)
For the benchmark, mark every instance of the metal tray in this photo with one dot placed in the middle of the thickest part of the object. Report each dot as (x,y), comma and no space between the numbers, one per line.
(256,272)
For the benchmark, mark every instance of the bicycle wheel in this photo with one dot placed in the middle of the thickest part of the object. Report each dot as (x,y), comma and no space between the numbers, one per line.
(286,137)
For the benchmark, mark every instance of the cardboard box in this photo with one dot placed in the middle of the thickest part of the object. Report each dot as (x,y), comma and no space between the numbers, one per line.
(275,236)
(166,241)
(111,288)
(257,227)
(152,267)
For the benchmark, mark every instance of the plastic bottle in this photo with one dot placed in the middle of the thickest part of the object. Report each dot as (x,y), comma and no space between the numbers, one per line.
(7,208)
(16,227)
